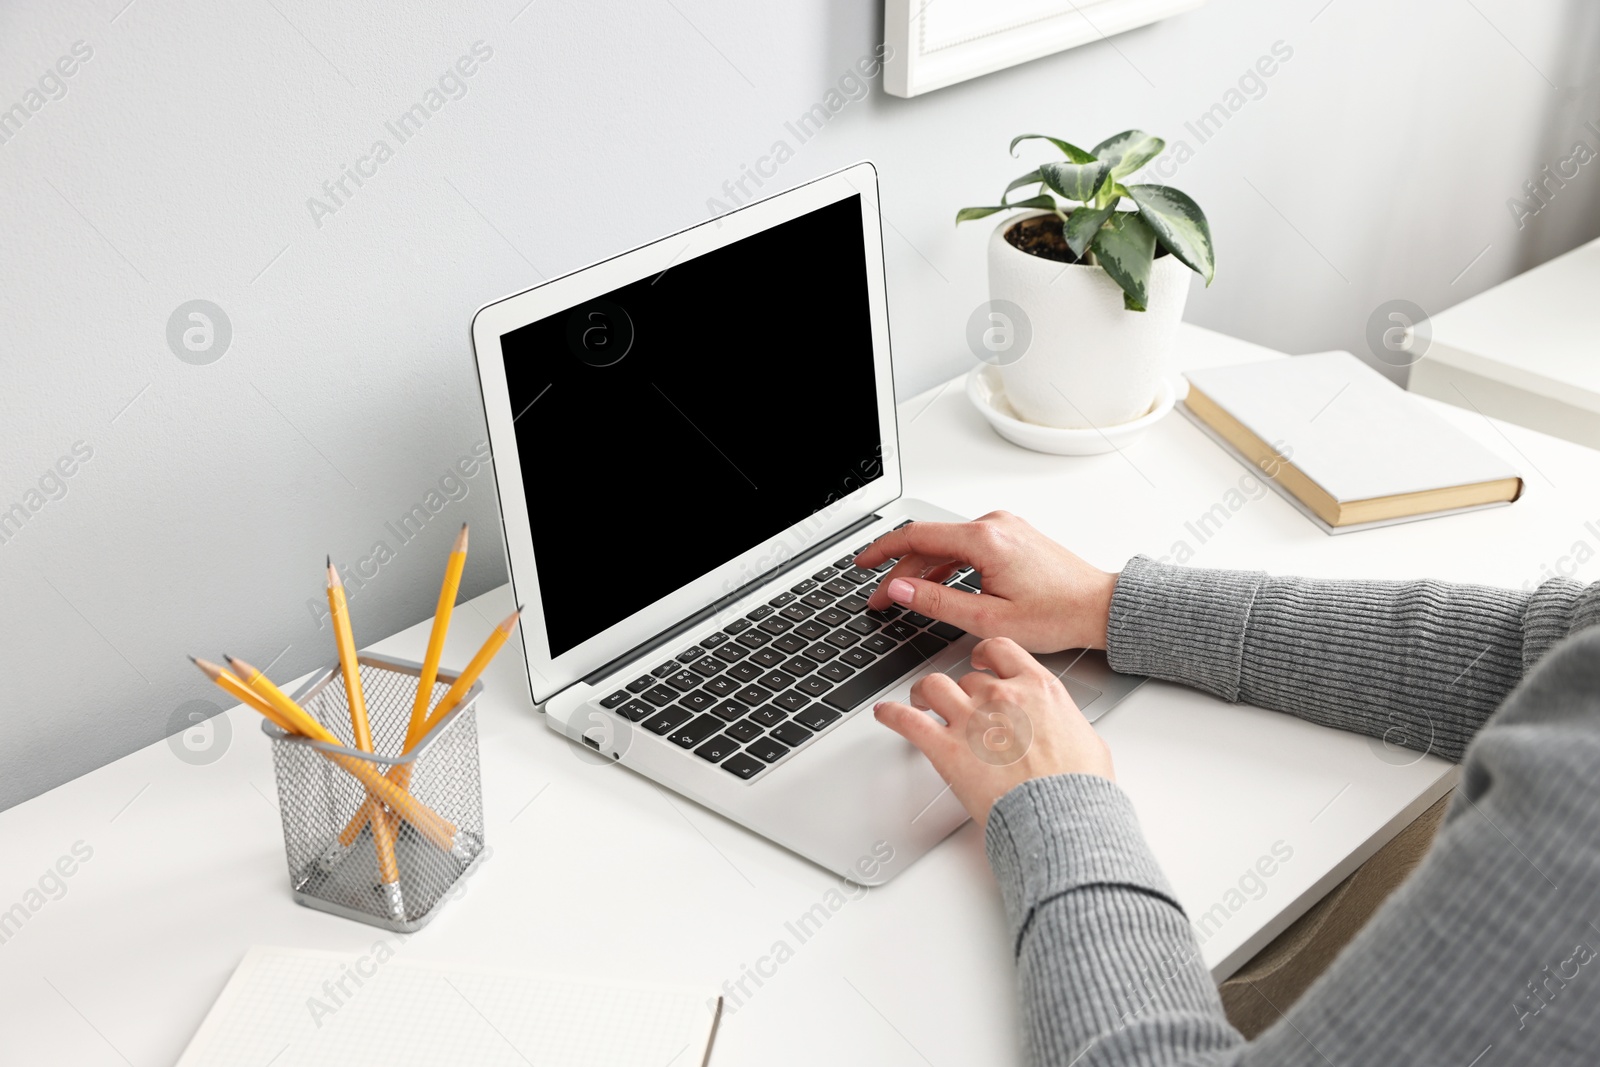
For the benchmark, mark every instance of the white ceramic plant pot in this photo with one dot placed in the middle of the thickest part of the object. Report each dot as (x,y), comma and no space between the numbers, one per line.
(1090,362)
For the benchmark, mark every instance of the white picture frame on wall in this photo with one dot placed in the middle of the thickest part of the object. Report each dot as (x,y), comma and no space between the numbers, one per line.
(940,42)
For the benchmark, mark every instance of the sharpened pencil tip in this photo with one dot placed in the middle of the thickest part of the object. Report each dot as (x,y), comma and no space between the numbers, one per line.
(194,661)
(330,559)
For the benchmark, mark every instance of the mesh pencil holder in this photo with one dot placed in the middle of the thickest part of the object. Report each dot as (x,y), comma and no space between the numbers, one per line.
(434,816)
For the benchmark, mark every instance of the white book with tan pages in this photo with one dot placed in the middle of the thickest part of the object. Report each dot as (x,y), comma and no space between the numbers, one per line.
(1345,445)
(304,1008)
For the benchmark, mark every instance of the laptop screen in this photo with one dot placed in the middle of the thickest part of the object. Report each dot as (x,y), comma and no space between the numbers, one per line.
(683,419)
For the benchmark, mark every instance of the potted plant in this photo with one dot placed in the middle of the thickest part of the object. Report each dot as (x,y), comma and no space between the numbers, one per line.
(1100,269)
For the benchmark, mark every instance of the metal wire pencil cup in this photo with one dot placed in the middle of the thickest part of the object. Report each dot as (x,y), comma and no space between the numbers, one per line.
(318,800)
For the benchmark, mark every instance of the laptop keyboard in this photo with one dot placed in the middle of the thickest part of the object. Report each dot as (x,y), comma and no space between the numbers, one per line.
(748,695)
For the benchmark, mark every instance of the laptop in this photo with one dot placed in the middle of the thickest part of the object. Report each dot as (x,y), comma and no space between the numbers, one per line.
(691,441)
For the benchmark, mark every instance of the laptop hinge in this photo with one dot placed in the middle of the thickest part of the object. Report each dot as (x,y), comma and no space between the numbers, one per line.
(671,633)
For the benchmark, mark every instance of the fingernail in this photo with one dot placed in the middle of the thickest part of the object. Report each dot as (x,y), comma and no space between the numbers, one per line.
(901,591)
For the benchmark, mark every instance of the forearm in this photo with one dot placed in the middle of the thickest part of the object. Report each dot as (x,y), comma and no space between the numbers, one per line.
(1420,663)
(1106,958)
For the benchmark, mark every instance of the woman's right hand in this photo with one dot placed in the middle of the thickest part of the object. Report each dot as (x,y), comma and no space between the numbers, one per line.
(1034,591)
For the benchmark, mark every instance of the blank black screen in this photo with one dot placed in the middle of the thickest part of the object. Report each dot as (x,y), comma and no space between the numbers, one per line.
(685,418)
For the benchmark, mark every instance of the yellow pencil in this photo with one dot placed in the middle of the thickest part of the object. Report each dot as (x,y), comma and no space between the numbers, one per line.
(458,689)
(350,666)
(345,638)
(293,717)
(436,637)
(401,775)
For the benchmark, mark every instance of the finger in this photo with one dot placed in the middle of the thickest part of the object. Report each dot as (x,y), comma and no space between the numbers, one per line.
(980,686)
(1005,658)
(943,571)
(938,692)
(915,726)
(945,540)
(912,566)
(980,613)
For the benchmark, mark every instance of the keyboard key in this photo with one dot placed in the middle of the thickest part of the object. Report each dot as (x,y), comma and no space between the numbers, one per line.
(885,565)
(792,734)
(816,718)
(890,668)
(835,672)
(824,574)
(789,643)
(839,587)
(771,715)
(614,699)
(946,631)
(812,631)
(661,696)
(853,604)
(737,626)
(742,766)
(971,580)
(752,694)
(717,749)
(781,599)
(715,639)
(665,669)
(879,644)
(856,657)
(832,617)
(760,612)
(690,654)
(861,625)
(814,685)
(699,700)
(745,672)
(695,732)
(729,710)
(752,639)
(842,638)
(900,630)
(640,684)
(844,562)
(804,587)
(799,665)
(667,721)
(767,750)
(798,612)
(767,657)
(744,730)
(857,575)
(706,666)
(817,599)
(723,686)
(916,618)
(791,700)
(775,625)
(731,651)
(634,710)
(888,614)
(821,653)
(684,681)
(776,680)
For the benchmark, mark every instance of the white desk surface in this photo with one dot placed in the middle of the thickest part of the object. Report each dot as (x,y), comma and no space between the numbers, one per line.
(596,872)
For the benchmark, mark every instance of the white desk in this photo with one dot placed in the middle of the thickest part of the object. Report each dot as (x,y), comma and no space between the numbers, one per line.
(597,872)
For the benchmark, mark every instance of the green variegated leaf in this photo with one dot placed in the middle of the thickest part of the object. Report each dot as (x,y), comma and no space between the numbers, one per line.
(1076,181)
(1128,151)
(1030,178)
(1071,151)
(1083,225)
(1126,247)
(967,214)
(1180,224)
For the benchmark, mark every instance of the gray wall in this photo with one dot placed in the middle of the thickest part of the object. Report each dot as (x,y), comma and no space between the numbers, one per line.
(1376,163)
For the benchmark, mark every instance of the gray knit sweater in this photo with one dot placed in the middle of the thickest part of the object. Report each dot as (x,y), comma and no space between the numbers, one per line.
(1488,955)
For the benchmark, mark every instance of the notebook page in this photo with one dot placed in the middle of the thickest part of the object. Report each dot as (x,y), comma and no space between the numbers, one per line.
(301,1008)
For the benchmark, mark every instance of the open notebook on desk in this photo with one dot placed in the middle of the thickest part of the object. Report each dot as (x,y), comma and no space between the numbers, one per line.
(303,1008)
